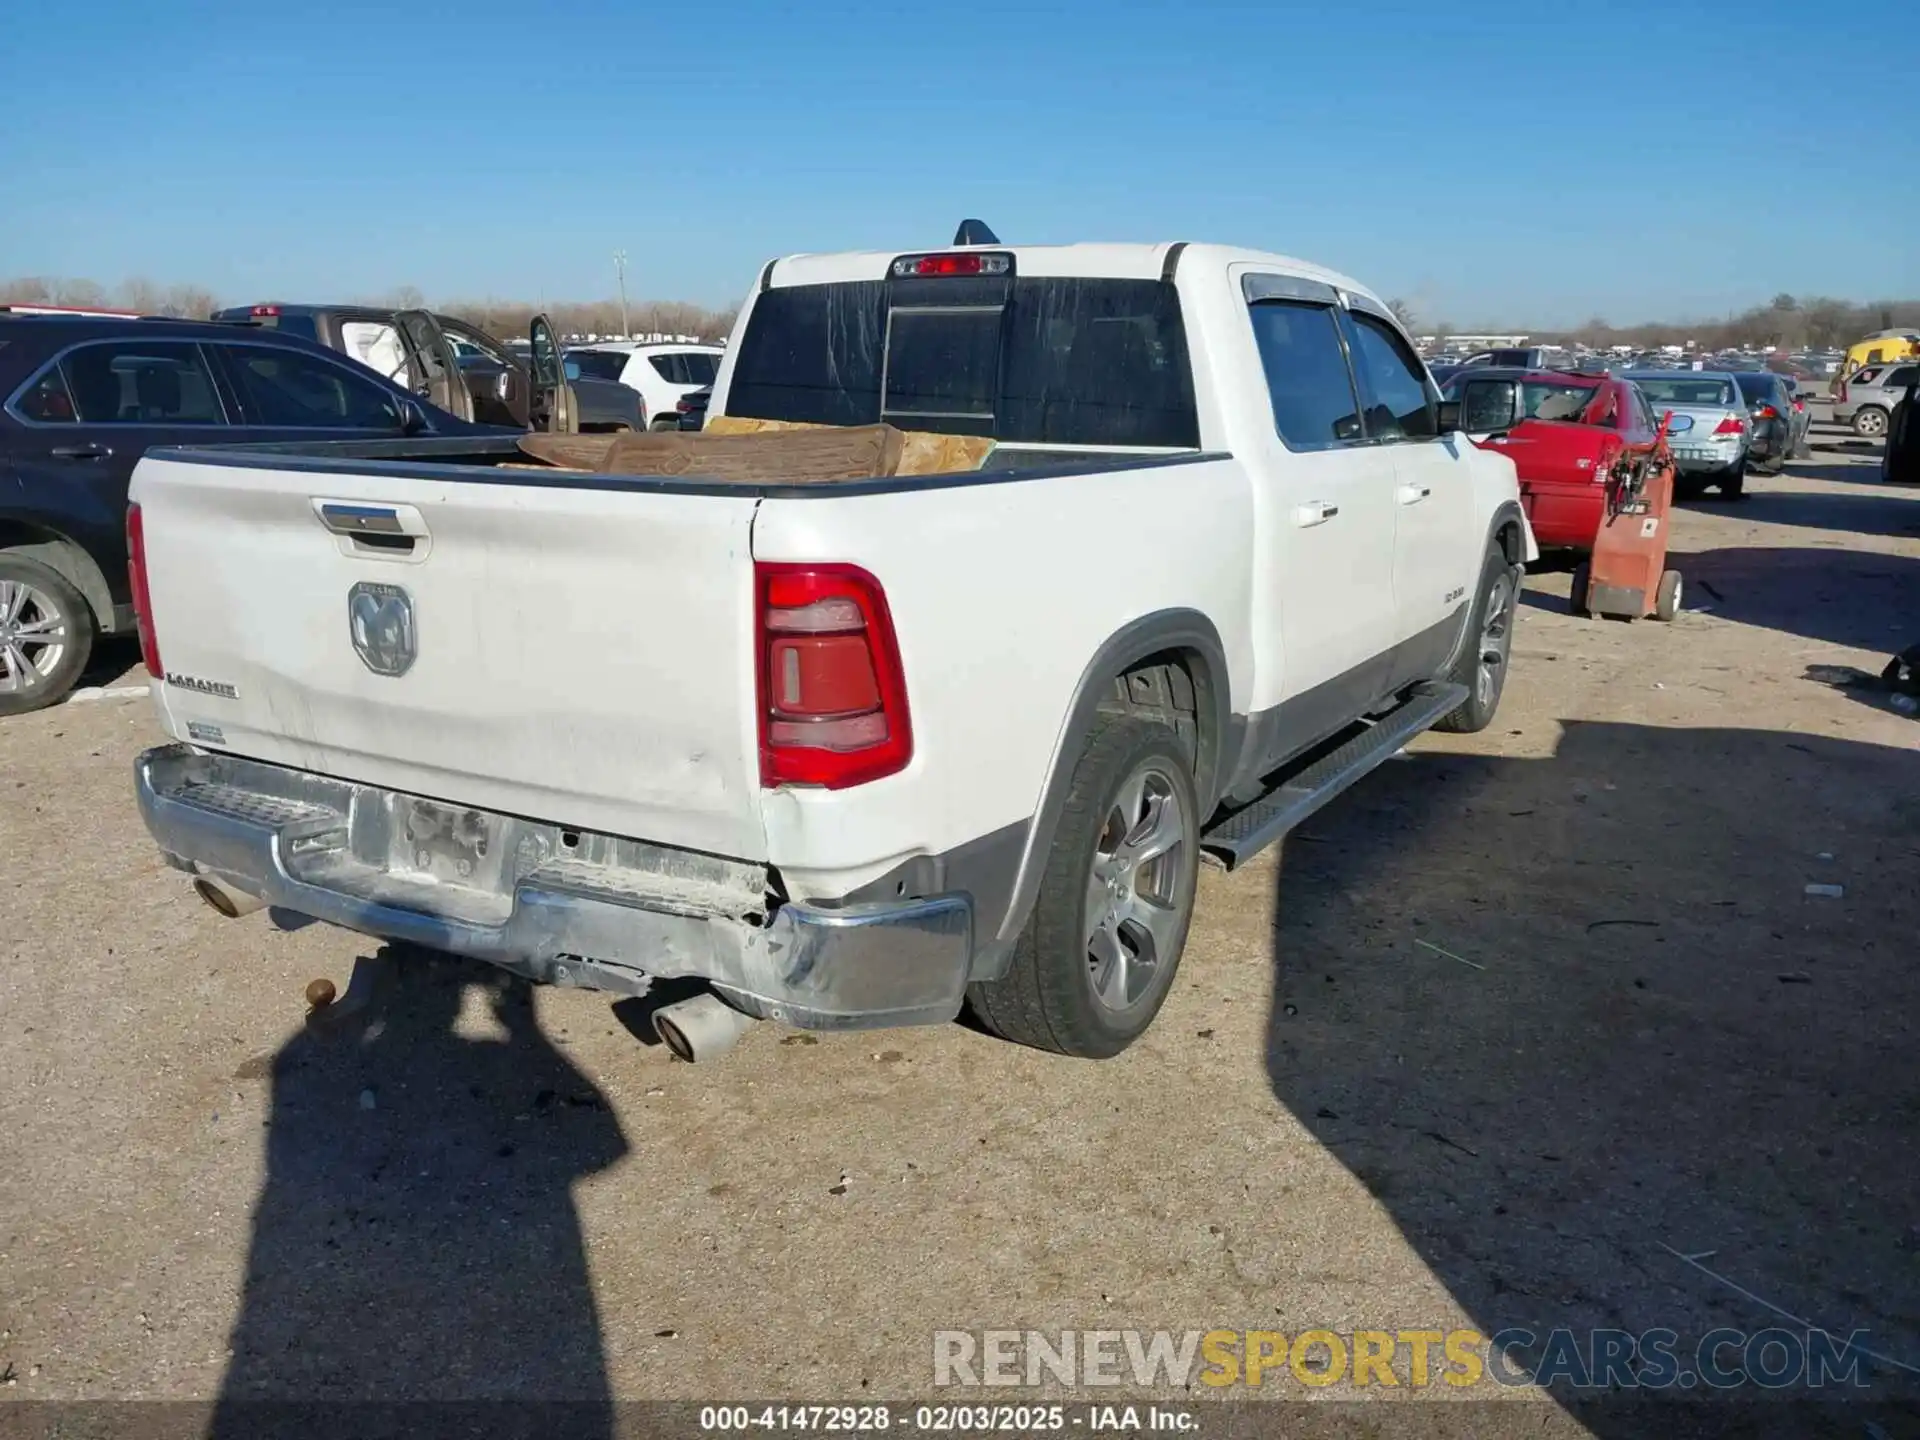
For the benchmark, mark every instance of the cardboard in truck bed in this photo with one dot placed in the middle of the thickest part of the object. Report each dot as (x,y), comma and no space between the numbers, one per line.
(758,451)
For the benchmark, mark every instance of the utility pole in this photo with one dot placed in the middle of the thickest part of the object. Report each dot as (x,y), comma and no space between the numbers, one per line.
(620,271)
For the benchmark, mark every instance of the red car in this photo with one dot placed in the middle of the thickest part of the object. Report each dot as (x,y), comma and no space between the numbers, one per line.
(1565,433)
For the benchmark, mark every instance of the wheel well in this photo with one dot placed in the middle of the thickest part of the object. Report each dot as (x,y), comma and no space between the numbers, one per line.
(1512,543)
(1169,687)
(58,553)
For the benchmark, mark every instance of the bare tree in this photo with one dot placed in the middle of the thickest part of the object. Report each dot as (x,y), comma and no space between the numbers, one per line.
(1403,312)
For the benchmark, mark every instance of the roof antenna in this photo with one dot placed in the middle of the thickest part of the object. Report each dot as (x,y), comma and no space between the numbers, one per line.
(974,232)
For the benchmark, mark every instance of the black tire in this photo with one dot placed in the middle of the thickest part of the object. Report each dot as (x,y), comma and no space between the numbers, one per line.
(1577,596)
(1733,481)
(46,590)
(1483,660)
(1047,999)
(1688,487)
(1870,422)
(1666,600)
(664,422)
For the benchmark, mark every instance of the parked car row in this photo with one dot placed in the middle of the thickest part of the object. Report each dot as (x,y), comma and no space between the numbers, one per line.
(1567,431)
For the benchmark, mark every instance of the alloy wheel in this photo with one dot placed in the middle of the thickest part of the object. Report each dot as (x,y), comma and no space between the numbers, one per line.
(33,636)
(1138,892)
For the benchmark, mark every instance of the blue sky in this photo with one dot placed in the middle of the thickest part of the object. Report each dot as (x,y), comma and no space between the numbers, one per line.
(1492,164)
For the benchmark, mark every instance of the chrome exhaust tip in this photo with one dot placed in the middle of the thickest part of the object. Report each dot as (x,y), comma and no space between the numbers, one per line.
(224,898)
(703,1028)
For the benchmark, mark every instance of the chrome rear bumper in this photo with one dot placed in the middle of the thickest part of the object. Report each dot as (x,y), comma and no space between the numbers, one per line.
(556,905)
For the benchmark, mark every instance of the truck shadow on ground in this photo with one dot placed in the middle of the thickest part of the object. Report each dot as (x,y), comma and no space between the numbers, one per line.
(1856,598)
(415,1237)
(1643,1034)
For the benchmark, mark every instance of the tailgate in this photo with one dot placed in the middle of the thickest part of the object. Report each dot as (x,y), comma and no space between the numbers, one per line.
(580,656)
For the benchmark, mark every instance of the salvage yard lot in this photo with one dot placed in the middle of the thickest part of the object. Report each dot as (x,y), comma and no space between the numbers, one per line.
(1515,1015)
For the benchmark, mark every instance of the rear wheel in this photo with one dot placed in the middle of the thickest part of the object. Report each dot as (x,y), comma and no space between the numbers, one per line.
(1688,487)
(46,635)
(1099,952)
(1870,422)
(1733,480)
(1482,666)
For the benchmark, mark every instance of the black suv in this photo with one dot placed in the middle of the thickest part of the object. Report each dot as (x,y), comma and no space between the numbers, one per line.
(83,400)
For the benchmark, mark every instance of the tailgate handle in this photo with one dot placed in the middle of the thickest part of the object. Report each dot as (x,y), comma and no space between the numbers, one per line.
(377,532)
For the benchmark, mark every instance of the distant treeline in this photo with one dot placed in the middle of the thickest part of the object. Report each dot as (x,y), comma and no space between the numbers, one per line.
(1788,321)
(1816,323)
(504,318)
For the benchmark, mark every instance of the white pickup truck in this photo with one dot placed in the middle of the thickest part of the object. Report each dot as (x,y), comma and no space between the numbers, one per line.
(854,753)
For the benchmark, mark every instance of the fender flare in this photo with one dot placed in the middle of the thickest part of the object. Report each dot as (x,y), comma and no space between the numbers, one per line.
(1185,632)
(67,558)
(1507,512)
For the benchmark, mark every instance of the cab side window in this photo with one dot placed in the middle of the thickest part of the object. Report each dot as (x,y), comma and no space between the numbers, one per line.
(1314,407)
(1393,383)
(134,382)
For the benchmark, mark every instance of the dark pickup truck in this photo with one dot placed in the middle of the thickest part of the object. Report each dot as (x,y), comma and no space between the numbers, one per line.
(426,352)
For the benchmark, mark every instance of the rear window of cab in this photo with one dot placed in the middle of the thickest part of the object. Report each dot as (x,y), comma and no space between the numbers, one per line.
(1059,361)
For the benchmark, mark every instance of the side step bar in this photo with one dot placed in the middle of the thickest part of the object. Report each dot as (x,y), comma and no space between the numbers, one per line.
(1248,831)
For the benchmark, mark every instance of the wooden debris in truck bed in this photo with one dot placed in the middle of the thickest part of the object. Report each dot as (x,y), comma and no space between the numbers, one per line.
(762,451)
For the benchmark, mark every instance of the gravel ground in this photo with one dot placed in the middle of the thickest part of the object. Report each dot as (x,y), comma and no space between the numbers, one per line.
(1519,1013)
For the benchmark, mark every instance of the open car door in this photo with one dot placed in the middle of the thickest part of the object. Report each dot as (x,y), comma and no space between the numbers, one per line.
(554,408)
(432,371)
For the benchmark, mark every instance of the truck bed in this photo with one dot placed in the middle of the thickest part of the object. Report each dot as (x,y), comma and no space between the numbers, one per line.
(504,459)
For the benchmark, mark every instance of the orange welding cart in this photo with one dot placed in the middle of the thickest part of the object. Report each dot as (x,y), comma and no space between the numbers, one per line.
(1626,577)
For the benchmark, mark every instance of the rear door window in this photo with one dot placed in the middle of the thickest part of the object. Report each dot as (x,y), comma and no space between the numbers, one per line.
(291,389)
(670,368)
(701,367)
(1902,377)
(137,382)
(1314,406)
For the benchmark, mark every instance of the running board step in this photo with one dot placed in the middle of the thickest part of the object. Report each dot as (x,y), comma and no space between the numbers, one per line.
(1248,831)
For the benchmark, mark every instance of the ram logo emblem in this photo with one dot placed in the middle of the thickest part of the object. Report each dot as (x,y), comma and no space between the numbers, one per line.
(380,618)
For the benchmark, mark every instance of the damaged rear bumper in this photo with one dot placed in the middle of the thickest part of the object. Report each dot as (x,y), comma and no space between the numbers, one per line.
(552,904)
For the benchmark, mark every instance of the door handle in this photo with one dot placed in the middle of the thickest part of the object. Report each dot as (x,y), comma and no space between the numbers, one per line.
(88,451)
(375,532)
(1412,494)
(1314,512)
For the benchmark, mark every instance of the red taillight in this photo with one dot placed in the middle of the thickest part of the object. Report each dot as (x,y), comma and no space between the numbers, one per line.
(264,310)
(1799,404)
(1732,425)
(948,265)
(1841,393)
(832,694)
(685,407)
(1766,412)
(142,599)
(963,264)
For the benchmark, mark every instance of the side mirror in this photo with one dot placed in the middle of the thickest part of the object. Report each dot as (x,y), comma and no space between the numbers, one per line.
(413,420)
(1449,417)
